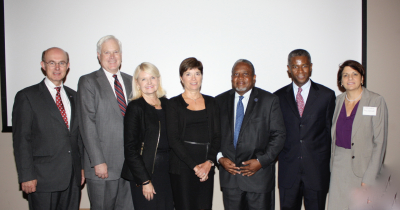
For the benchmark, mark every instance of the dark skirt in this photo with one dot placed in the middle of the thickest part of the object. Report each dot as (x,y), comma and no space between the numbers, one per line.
(189,192)
(161,182)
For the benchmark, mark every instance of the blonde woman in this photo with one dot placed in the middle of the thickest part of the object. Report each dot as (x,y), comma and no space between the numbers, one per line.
(145,142)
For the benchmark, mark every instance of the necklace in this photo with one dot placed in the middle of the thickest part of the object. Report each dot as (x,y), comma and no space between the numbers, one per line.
(355,98)
(194,99)
(157,104)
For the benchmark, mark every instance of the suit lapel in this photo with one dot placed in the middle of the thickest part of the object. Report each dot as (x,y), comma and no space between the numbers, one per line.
(250,107)
(231,110)
(339,104)
(291,100)
(50,104)
(311,98)
(72,103)
(108,91)
(128,85)
(364,101)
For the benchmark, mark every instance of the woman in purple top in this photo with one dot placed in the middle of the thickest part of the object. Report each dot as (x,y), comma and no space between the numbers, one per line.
(359,136)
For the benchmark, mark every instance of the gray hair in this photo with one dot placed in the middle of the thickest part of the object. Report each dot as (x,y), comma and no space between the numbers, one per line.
(299,52)
(244,61)
(104,39)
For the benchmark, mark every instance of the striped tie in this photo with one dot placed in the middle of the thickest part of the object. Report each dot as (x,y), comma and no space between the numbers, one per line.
(120,95)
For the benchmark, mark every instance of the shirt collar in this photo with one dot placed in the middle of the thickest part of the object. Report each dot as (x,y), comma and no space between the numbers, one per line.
(304,87)
(50,84)
(246,95)
(108,74)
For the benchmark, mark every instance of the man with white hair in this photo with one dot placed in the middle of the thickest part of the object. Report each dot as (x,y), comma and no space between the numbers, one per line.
(102,102)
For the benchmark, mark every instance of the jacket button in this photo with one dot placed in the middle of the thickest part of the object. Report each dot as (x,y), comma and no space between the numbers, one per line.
(301,125)
(69,152)
(301,141)
(353,157)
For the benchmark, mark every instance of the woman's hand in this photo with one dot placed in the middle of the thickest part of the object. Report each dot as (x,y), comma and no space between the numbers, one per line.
(202,170)
(148,191)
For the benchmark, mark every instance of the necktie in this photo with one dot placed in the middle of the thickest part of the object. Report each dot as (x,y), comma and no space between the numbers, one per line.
(120,95)
(239,120)
(60,106)
(300,102)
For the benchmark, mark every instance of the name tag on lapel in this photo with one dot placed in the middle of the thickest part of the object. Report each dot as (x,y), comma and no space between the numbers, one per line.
(369,110)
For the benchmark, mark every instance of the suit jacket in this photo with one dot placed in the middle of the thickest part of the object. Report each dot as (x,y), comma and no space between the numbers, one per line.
(101,124)
(141,136)
(308,138)
(44,148)
(368,136)
(176,125)
(261,137)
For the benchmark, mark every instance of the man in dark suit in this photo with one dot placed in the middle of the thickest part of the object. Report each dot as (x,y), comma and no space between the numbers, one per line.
(47,145)
(253,134)
(307,107)
(102,102)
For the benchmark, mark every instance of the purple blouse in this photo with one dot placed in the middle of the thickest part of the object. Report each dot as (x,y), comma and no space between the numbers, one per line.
(344,125)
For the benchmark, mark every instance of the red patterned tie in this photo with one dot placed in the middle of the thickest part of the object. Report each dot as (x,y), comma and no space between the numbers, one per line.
(300,102)
(120,95)
(60,106)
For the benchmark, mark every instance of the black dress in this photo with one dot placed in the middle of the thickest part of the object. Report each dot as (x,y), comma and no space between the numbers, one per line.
(188,191)
(160,179)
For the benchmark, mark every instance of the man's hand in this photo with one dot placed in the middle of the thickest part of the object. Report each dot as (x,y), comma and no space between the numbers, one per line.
(101,170)
(29,186)
(83,177)
(250,167)
(229,165)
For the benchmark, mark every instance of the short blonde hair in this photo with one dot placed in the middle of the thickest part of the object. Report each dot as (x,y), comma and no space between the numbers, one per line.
(150,69)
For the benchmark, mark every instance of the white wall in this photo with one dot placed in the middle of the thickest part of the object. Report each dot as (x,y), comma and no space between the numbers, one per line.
(383,77)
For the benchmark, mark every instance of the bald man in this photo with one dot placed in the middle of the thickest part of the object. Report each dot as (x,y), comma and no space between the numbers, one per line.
(47,147)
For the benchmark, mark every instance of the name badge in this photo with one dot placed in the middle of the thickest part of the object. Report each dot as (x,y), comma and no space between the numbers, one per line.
(369,110)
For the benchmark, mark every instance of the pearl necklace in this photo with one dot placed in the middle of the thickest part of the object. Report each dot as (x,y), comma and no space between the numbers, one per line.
(355,98)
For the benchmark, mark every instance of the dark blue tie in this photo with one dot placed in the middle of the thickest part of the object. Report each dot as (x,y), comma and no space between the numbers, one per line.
(239,120)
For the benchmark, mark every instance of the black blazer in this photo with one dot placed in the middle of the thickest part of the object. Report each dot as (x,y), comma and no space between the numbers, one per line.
(261,137)
(308,139)
(44,148)
(141,131)
(176,124)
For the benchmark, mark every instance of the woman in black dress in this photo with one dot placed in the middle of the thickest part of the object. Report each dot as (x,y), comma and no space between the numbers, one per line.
(194,136)
(145,141)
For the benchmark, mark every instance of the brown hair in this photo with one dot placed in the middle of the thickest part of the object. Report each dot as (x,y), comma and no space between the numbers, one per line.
(354,65)
(190,63)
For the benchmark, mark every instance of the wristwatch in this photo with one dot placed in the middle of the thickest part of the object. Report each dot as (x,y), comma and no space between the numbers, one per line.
(212,163)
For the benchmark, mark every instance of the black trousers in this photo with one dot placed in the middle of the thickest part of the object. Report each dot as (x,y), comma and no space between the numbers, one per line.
(291,198)
(236,199)
(68,199)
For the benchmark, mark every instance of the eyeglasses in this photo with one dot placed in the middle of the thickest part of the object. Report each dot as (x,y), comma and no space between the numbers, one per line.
(53,63)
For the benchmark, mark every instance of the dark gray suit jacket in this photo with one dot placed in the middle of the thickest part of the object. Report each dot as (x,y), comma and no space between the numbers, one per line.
(44,148)
(308,138)
(261,137)
(101,124)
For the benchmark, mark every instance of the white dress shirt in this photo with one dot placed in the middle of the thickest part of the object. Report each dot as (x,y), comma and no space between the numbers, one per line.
(64,98)
(245,101)
(111,80)
(305,90)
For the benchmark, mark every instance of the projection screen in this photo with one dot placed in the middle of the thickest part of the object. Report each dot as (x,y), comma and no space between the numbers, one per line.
(166,32)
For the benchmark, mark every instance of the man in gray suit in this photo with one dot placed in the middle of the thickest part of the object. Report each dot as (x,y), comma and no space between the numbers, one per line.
(46,141)
(102,101)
